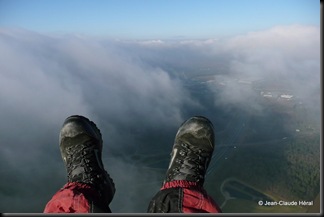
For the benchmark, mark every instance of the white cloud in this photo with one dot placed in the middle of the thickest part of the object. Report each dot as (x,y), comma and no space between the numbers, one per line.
(44,79)
(285,53)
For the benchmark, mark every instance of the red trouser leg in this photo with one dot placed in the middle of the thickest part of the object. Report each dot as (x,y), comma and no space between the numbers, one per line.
(182,197)
(76,197)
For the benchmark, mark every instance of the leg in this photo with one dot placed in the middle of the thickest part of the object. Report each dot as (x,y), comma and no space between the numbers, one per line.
(89,187)
(76,197)
(182,190)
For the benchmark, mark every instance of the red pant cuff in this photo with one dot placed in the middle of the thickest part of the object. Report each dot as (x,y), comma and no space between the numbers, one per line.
(180,184)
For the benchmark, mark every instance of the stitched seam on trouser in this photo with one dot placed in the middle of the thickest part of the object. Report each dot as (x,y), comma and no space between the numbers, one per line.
(180,199)
(77,203)
(200,202)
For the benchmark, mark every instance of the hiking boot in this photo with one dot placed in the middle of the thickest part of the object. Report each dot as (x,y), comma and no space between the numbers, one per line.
(192,151)
(81,149)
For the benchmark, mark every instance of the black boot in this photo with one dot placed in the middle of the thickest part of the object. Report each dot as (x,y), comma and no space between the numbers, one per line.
(81,148)
(192,151)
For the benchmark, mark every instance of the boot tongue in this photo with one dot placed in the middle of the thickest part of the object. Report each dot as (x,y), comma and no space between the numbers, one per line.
(76,173)
(193,166)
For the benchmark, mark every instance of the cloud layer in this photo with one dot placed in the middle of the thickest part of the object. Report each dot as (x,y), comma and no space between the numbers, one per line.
(135,91)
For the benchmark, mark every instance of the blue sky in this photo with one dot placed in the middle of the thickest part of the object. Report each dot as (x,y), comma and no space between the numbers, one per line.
(157,18)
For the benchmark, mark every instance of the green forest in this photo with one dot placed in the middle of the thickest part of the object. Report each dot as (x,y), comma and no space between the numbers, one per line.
(282,167)
(290,171)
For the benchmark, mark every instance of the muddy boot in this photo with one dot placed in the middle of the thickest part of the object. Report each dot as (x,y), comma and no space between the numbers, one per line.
(81,149)
(192,151)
